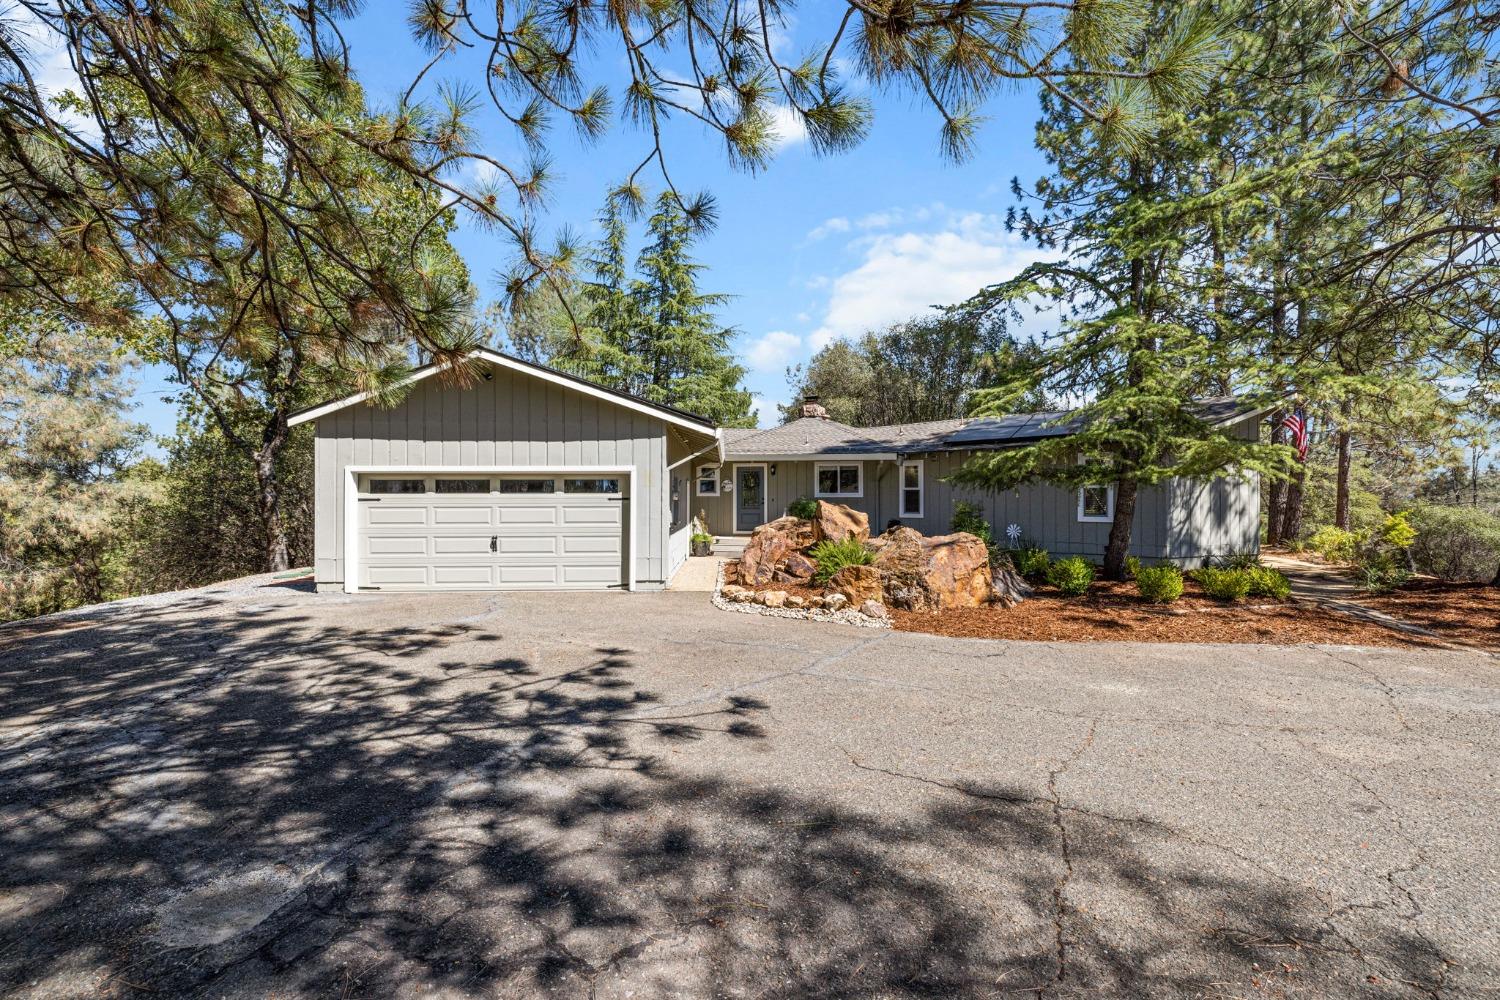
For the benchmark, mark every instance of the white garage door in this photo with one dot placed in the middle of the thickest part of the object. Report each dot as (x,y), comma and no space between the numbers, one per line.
(476,532)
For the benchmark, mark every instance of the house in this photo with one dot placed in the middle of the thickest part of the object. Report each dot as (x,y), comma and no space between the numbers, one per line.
(532,479)
(527,479)
(898,473)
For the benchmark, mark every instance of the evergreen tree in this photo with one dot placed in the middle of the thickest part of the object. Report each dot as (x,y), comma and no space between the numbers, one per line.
(65,442)
(648,330)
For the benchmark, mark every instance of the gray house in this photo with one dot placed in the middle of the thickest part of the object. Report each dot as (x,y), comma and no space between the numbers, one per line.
(528,479)
(898,473)
(532,479)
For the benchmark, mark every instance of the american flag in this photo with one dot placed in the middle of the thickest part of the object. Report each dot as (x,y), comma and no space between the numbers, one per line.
(1296,425)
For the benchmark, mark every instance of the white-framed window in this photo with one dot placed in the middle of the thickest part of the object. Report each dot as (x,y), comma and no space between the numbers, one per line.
(1096,502)
(708,481)
(838,479)
(912,476)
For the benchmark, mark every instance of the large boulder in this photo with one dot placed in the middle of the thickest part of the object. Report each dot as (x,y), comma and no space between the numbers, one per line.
(837,522)
(919,573)
(796,568)
(771,546)
(857,583)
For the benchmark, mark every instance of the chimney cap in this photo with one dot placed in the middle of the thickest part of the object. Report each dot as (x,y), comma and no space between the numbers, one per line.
(810,408)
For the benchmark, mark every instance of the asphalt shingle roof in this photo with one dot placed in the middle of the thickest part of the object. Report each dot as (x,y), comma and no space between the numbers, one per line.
(819,436)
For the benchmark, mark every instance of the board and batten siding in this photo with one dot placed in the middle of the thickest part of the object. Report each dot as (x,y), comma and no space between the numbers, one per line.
(1180,520)
(513,419)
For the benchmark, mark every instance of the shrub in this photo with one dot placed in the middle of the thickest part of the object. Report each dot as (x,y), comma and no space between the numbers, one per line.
(1242,560)
(1397,531)
(702,538)
(966,517)
(1380,571)
(1223,584)
(1334,544)
(1159,584)
(1072,575)
(832,556)
(1267,582)
(1132,567)
(804,508)
(1030,560)
(1456,543)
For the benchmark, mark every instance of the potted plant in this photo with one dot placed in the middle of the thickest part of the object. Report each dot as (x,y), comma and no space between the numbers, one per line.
(702,544)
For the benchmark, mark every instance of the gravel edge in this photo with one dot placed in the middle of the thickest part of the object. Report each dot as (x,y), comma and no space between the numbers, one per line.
(844,616)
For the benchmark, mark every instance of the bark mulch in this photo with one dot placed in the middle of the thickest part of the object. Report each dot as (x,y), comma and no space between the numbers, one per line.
(1464,613)
(1114,612)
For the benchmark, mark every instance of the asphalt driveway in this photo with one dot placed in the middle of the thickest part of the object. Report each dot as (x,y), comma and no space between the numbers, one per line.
(258,791)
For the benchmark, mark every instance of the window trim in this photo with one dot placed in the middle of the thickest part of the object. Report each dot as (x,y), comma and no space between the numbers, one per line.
(699,477)
(921,488)
(1109,503)
(859,470)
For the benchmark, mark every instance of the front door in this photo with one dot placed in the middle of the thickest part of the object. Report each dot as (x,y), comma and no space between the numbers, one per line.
(750,490)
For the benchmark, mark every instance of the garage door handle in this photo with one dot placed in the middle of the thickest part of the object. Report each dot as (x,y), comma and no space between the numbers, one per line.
(493,545)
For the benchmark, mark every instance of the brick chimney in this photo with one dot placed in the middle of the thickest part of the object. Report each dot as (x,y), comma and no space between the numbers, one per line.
(810,408)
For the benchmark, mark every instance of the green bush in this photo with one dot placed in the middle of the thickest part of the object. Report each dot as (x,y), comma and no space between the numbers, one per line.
(1334,544)
(966,517)
(1267,582)
(1030,560)
(1132,567)
(1456,543)
(1397,532)
(1381,570)
(701,538)
(804,508)
(1072,575)
(1242,560)
(1223,584)
(832,556)
(1159,584)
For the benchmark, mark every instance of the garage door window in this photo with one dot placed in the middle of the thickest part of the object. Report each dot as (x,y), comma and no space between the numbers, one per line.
(398,486)
(528,486)
(591,486)
(463,485)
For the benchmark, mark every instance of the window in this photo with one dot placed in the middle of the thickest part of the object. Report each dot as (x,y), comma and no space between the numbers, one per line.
(911,489)
(591,486)
(708,480)
(463,485)
(1096,503)
(398,486)
(839,481)
(528,486)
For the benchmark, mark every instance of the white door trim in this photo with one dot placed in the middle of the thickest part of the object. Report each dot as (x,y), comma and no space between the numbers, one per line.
(765,494)
(351,503)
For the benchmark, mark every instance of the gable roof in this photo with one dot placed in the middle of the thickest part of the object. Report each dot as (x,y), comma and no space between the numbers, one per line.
(670,414)
(820,436)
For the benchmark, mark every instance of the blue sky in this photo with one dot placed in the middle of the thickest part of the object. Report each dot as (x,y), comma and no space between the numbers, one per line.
(811,249)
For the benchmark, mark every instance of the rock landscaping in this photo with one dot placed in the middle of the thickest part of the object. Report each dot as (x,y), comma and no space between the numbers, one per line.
(906,570)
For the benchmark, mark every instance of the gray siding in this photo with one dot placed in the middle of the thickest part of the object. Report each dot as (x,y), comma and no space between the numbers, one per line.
(515,419)
(1179,520)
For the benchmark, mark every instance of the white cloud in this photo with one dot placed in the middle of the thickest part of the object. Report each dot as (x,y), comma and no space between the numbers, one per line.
(767,413)
(902,274)
(773,350)
(788,126)
(837,224)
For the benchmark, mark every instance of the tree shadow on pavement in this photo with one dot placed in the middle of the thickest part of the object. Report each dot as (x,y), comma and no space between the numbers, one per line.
(245,801)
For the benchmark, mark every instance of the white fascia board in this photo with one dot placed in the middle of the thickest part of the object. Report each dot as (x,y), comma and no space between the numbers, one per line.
(816,456)
(502,361)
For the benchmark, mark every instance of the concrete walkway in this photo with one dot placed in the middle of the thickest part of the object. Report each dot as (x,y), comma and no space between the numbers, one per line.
(700,573)
(1333,587)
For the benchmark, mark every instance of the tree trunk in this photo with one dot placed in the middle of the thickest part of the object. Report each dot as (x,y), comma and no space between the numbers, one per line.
(1341,499)
(268,494)
(1276,495)
(1291,522)
(1119,529)
(1496,581)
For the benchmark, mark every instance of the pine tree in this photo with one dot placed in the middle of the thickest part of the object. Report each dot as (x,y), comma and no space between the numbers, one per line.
(65,442)
(648,330)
